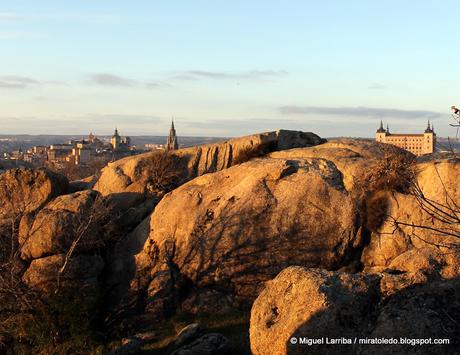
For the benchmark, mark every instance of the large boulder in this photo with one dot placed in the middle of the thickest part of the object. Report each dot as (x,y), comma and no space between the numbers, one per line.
(66,219)
(29,189)
(352,157)
(76,272)
(419,315)
(25,191)
(319,312)
(126,176)
(221,235)
(311,303)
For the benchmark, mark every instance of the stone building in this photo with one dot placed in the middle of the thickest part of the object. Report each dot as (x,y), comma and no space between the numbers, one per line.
(120,143)
(59,152)
(172,143)
(418,144)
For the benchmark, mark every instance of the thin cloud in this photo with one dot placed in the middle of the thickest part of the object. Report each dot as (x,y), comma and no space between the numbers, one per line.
(80,124)
(16,82)
(184,77)
(8,16)
(153,84)
(80,17)
(369,112)
(376,86)
(215,75)
(18,34)
(225,127)
(108,79)
(121,119)
(72,17)
(23,82)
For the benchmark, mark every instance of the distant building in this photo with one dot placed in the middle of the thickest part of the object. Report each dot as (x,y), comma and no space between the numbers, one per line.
(81,154)
(59,152)
(39,149)
(120,143)
(94,141)
(172,142)
(418,144)
(154,146)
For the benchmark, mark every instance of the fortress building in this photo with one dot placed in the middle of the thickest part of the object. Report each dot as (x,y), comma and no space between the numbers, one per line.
(418,144)
(172,143)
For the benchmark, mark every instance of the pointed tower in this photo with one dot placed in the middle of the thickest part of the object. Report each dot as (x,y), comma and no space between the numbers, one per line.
(380,134)
(428,128)
(381,129)
(172,143)
(429,140)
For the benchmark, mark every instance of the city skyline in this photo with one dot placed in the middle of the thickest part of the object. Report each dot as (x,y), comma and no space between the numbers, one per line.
(227,69)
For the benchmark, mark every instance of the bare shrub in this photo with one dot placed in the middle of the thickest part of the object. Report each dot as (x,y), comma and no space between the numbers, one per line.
(442,216)
(63,323)
(162,172)
(394,172)
(64,319)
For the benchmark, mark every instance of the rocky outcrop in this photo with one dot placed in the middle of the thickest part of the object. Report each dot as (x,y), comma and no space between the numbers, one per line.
(25,191)
(408,241)
(30,188)
(302,305)
(311,303)
(252,207)
(59,224)
(224,234)
(78,272)
(245,224)
(352,157)
(83,184)
(125,175)
(422,312)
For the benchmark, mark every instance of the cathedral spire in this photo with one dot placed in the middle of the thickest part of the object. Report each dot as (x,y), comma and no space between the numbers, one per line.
(172,142)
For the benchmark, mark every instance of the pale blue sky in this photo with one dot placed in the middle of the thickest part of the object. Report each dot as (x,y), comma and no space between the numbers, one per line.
(227,68)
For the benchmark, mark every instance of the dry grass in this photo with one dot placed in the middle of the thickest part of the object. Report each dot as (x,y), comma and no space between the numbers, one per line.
(234,326)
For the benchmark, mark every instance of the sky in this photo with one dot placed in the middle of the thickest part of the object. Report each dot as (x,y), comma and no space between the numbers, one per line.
(228,68)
